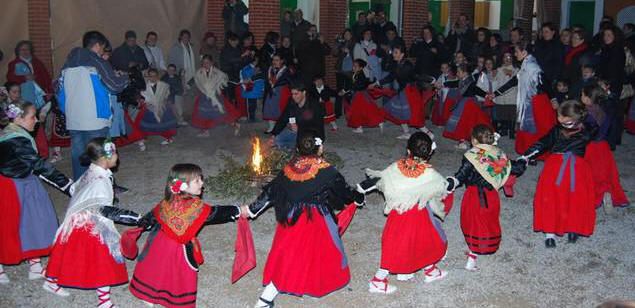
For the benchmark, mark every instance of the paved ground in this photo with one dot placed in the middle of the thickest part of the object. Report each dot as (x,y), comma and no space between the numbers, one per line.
(522,274)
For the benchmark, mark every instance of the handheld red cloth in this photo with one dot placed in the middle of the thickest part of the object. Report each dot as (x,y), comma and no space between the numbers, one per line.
(129,239)
(508,188)
(344,217)
(448,202)
(245,259)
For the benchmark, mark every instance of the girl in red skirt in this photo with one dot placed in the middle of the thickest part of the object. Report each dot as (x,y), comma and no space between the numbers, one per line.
(307,256)
(535,115)
(608,190)
(446,96)
(565,194)
(325,94)
(467,112)
(167,268)
(362,110)
(86,253)
(484,170)
(157,118)
(212,108)
(28,221)
(413,238)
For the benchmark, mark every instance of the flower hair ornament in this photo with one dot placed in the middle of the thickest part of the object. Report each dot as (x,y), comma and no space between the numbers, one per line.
(318,141)
(109,148)
(12,111)
(177,185)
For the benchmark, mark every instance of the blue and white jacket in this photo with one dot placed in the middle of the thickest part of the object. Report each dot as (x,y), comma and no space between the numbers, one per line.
(84,85)
(250,72)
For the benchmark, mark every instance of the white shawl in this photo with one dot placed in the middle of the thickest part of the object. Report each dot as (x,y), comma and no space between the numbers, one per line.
(403,193)
(189,66)
(156,100)
(528,81)
(211,84)
(92,191)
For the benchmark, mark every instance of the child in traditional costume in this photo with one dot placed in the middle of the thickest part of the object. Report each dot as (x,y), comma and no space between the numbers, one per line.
(252,88)
(535,114)
(564,201)
(15,94)
(504,113)
(167,268)
(608,190)
(211,107)
(484,169)
(28,221)
(412,238)
(468,112)
(407,107)
(362,110)
(307,256)
(157,118)
(325,94)
(277,92)
(87,254)
(447,96)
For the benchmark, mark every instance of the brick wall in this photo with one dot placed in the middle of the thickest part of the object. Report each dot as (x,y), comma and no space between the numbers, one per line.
(40,31)
(458,7)
(215,20)
(415,15)
(332,22)
(552,11)
(264,16)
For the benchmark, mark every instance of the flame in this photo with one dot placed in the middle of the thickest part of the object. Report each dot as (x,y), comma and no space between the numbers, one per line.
(256,156)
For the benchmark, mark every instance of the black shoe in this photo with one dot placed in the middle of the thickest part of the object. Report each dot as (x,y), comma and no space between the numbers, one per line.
(572,237)
(119,189)
(550,243)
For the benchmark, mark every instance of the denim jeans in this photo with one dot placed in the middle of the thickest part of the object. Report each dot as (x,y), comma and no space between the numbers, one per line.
(79,140)
(286,139)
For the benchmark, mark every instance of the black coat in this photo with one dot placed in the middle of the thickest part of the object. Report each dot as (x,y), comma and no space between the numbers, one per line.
(403,72)
(312,59)
(123,55)
(308,117)
(233,17)
(550,57)
(612,62)
(572,71)
(230,62)
(427,61)
(358,30)
(18,159)
(299,31)
(556,142)
(327,191)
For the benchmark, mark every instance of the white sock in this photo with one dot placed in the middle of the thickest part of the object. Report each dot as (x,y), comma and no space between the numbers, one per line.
(405,128)
(103,295)
(270,292)
(271,125)
(381,274)
(35,265)
(334,125)
(550,235)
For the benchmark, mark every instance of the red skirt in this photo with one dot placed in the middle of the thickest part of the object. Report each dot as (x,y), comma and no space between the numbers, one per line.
(363,112)
(231,115)
(163,275)
(241,102)
(329,112)
(480,221)
(566,204)
(545,118)
(11,252)
(441,114)
(133,133)
(165,133)
(471,116)
(41,141)
(307,258)
(411,241)
(83,262)
(416,106)
(605,174)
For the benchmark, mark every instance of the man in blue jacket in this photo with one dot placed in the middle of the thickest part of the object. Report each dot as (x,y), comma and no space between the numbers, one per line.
(85,83)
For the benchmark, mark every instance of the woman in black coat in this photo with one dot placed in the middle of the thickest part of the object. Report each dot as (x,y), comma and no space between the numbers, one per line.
(611,68)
